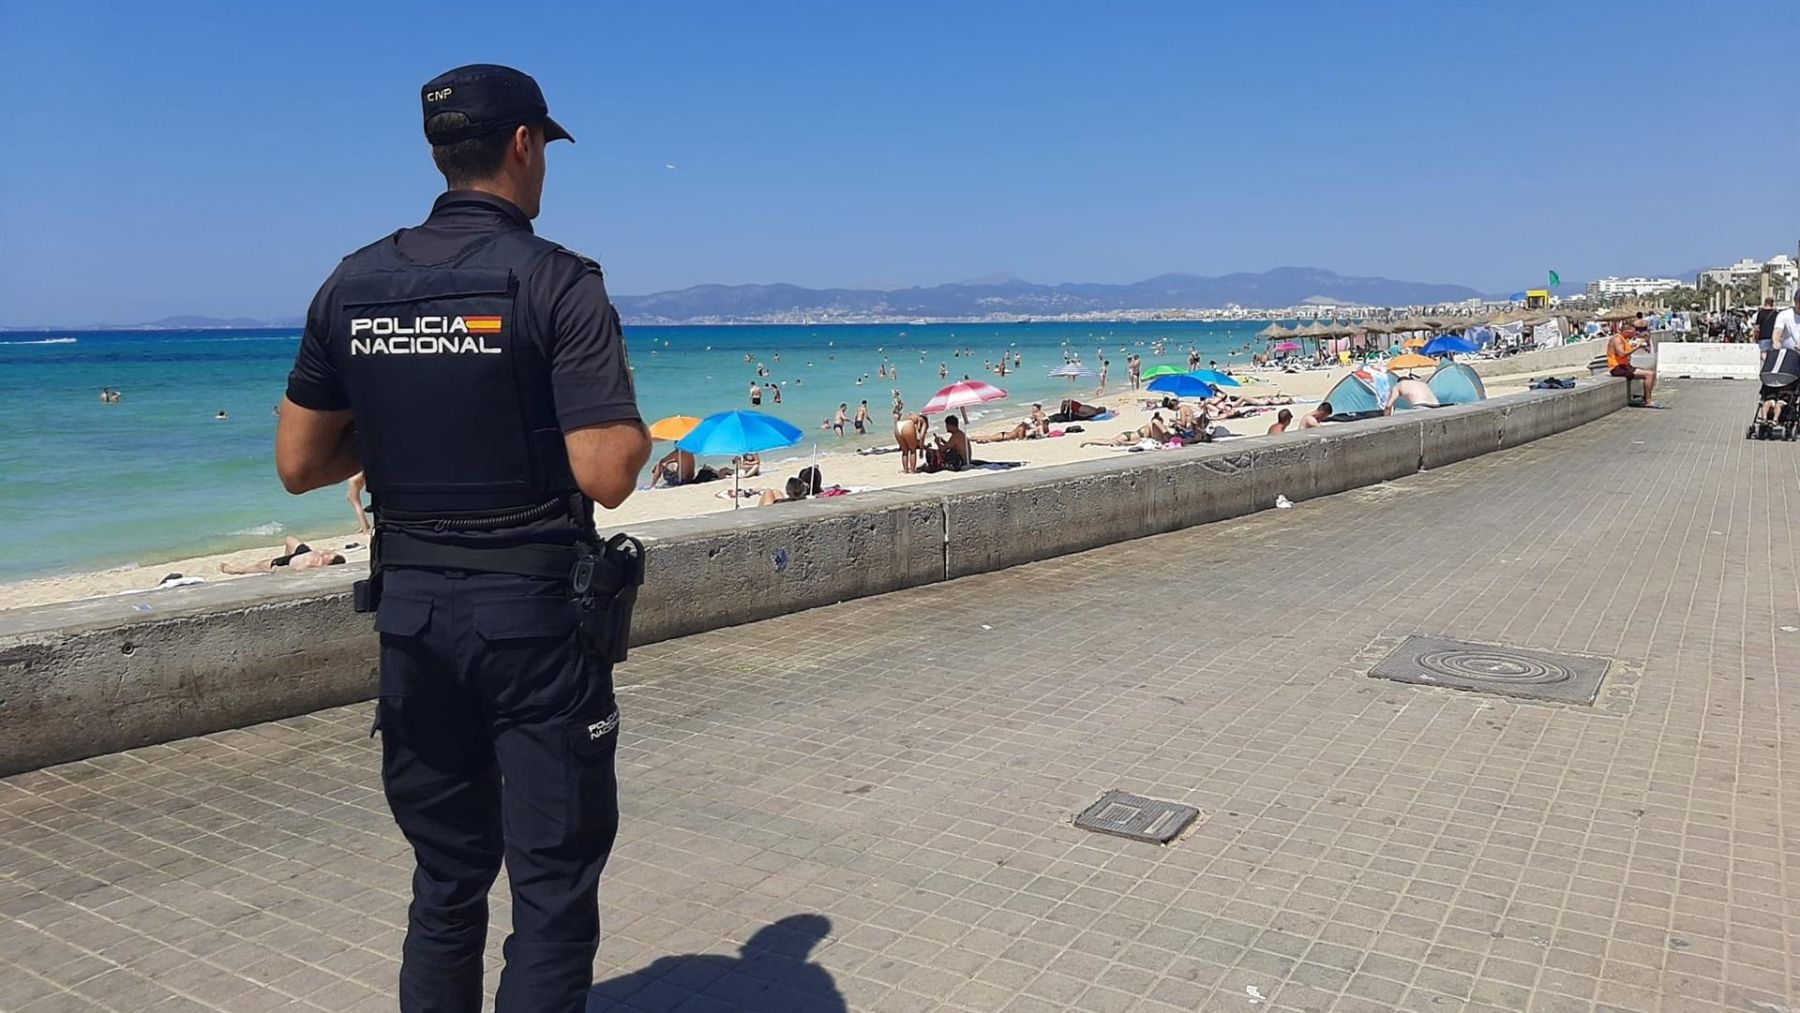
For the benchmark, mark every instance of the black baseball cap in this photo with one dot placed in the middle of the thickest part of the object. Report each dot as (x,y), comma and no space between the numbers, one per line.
(493,97)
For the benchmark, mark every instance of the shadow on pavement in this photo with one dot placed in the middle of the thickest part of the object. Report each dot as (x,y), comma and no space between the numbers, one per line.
(771,973)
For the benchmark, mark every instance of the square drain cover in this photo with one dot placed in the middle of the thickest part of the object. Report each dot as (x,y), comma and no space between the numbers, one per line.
(1508,671)
(1137,817)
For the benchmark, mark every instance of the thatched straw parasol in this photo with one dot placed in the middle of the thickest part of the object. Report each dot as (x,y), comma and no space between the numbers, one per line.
(1273,331)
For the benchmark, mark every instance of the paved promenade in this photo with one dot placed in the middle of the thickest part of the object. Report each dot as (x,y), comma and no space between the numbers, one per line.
(867,807)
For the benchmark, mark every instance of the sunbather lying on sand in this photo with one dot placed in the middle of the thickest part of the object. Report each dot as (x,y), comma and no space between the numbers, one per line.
(1128,438)
(299,556)
(1022,431)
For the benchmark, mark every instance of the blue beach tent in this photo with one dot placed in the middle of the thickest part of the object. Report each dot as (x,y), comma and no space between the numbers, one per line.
(1455,383)
(1353,395)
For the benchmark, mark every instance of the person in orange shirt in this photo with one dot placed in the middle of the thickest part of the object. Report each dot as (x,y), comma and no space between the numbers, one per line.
(1618,357)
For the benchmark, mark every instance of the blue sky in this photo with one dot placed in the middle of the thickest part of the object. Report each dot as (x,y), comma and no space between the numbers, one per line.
(220,158)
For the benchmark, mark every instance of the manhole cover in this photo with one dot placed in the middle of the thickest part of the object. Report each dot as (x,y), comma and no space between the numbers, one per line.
(1509,671)
(1136,817)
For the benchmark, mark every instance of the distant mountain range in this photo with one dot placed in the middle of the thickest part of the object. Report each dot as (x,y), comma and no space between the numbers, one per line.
(1010,296)
(1000,296)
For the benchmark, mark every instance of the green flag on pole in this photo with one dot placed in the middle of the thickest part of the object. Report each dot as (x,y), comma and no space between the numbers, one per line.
(1555,279)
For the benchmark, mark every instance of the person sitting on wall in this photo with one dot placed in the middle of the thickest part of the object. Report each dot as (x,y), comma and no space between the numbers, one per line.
(1618,360)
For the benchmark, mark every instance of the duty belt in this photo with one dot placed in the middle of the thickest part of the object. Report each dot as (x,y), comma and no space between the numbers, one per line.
(399,548)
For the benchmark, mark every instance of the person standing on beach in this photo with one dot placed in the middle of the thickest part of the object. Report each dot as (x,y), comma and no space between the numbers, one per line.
(1104,366)
(354,493)
(909,433)
(755,394)
(498,720)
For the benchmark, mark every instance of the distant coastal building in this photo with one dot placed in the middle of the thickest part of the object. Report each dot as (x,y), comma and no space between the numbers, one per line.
(1606,287)
(1779,273)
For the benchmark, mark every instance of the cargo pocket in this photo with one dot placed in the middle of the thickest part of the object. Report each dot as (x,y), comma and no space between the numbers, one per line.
(528,664)
(593,796)
(401,623)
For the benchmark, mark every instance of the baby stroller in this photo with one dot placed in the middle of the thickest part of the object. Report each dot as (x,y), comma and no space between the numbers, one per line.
(1780,384)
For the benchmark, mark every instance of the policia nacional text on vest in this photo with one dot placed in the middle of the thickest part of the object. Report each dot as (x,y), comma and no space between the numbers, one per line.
(494,462)
(500,609)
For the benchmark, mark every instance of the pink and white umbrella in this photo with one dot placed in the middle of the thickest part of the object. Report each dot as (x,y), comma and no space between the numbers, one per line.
(962,394)
(1287,346)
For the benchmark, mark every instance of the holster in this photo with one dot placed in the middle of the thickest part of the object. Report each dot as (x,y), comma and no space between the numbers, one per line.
(365,594)
(604,586)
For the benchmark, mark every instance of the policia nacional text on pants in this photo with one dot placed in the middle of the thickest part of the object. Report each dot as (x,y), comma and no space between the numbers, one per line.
(475,373)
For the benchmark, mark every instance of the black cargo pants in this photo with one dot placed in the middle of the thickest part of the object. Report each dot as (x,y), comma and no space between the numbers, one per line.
(498,737)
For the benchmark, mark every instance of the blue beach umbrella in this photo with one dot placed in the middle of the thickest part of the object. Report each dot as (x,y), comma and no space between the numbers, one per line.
(1449,344)
(1216,378)
(737,433)
(1182,385)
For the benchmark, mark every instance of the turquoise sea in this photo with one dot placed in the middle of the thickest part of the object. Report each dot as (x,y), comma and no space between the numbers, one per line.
(86,485)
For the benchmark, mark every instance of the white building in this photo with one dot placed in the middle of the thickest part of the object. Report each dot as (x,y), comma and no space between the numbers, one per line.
(1784,277)
(1782,272)
(1744,272)
(1606,287)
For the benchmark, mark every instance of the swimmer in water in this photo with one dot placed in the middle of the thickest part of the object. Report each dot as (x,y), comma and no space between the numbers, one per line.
(221,414)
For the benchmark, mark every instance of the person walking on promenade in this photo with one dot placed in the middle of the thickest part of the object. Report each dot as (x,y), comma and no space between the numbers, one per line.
(476,374)
(1784,332)
(1765,324)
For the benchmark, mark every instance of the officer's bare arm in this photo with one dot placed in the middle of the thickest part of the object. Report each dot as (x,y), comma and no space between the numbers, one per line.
(314,449)
(606,459)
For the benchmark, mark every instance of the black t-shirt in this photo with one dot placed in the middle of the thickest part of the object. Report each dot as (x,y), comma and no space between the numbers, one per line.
(590,374)
(1765,323)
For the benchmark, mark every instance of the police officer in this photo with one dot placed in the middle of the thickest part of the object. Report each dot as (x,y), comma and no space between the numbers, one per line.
(477,376)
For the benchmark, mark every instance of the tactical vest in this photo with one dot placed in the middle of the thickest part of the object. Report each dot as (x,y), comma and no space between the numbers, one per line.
(447,374)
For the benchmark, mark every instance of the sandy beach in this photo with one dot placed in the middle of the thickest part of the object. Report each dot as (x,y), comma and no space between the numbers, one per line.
(839,460)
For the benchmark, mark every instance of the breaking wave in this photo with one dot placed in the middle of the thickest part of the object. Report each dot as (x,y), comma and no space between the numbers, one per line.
(260,530)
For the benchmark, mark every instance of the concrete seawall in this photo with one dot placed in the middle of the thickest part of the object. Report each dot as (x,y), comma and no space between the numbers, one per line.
(84,678)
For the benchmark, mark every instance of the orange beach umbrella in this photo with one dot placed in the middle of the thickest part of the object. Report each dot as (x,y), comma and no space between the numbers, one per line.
(1411,360)
(673,428)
